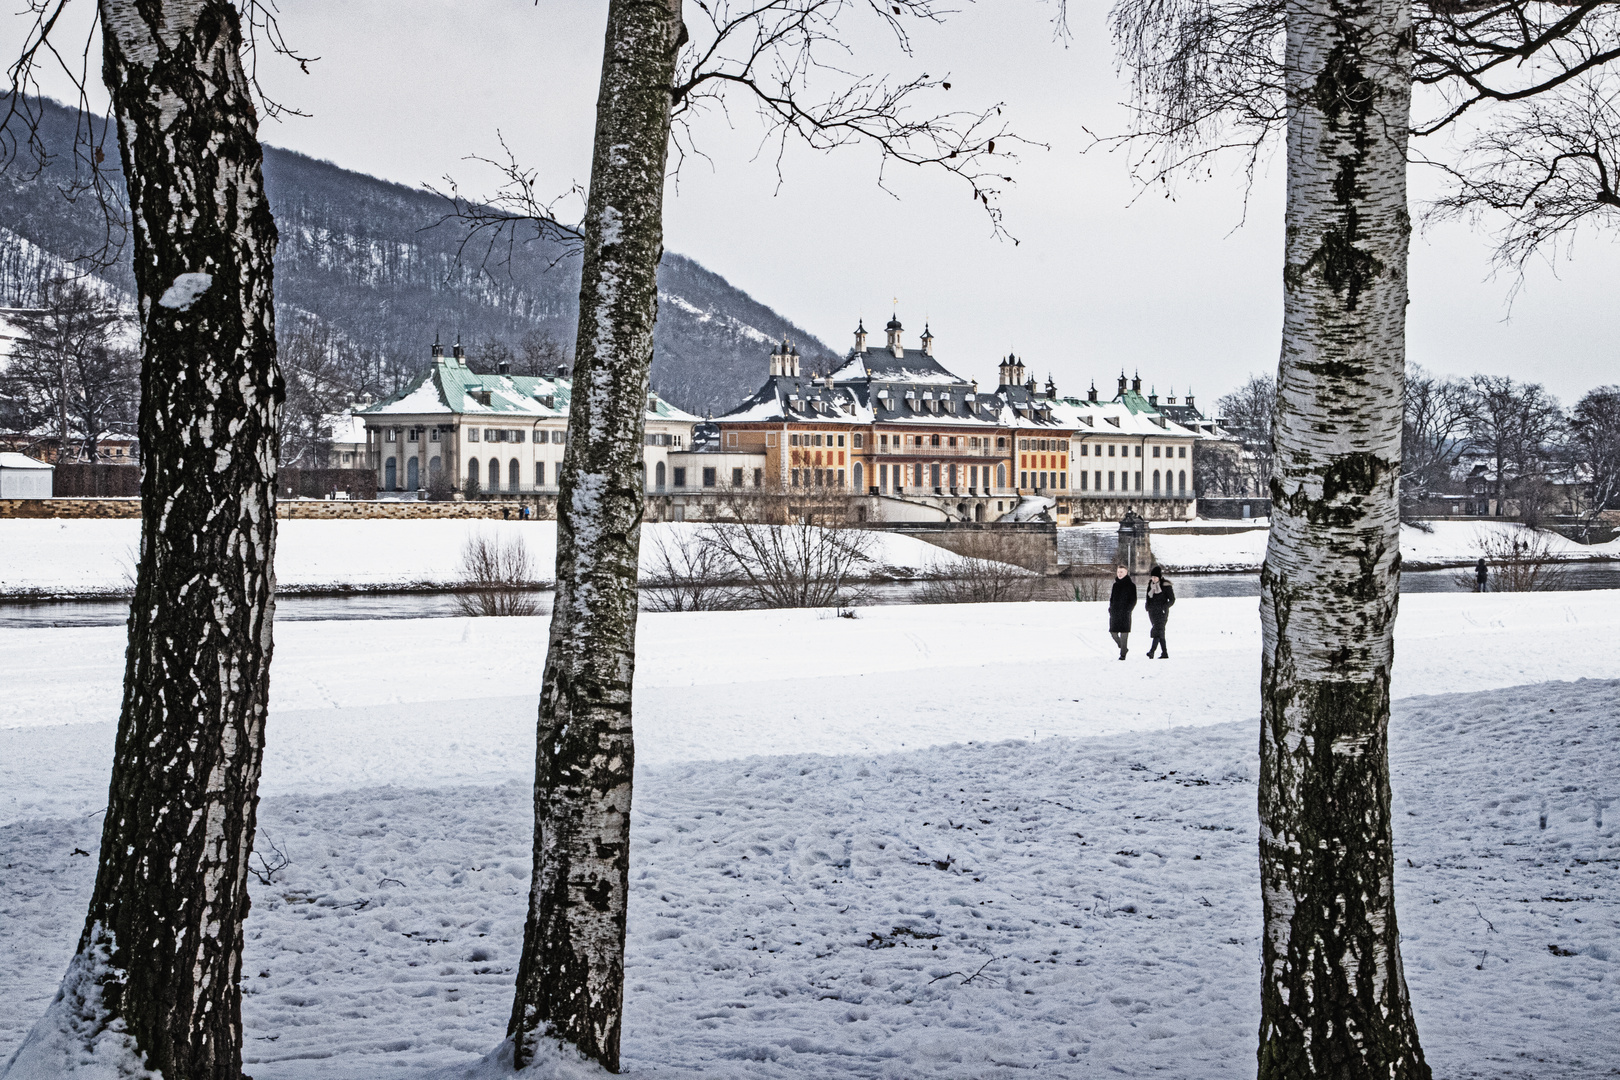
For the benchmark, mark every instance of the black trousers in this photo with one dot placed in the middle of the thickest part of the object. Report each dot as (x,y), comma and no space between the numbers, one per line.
(1156,640)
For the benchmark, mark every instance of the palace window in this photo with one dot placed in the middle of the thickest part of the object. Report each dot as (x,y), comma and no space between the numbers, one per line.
(680,477)
(1139,454)
(708,477)
(840,440)
(933,440)
(736,477)
(860,441)
(1183,451)
(1155,451)
(393,434)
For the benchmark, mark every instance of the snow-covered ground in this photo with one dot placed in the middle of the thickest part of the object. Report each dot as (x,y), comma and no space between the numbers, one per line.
(835,815)
(85,557)
(1451,543)
(72,557)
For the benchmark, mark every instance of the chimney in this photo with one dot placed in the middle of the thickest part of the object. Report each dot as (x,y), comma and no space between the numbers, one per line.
(503,368)
(652,401)
(1051,387)
(459,353)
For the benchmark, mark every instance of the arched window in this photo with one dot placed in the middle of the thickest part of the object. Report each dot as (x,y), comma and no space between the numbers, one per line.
(413,474)
(473,469)
(434,468)
(514,476)
(858,486)
(1001,473)
(1184,481)
(658,476)
(390,476)
(494,475)
(1155,481)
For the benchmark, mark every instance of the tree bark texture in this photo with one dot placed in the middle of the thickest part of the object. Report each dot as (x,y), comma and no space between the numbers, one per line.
(571,975)
(158,965)
(1333,993)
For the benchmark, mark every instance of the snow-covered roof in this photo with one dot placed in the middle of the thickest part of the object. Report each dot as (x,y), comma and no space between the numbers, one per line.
(9,460)
(882,365)
(448,388)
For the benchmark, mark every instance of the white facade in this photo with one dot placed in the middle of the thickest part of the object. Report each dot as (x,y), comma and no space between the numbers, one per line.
(22,477)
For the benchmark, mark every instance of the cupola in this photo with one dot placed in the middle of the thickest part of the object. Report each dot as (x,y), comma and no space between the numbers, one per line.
(927,341)
(860,336)
(893,330)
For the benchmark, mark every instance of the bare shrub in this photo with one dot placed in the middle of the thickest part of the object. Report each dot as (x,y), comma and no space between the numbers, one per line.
(1088,587)
(791,549)
(1520,560)
(498,576)
(992,570)
(688,572)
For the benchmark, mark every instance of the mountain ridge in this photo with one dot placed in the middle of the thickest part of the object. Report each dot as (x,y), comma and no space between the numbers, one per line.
(376,264)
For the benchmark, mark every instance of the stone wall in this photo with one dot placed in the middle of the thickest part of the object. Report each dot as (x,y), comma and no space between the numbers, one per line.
(70,508)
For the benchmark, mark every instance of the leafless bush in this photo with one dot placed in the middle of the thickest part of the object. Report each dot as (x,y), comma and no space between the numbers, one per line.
(688,572)
(498,575)
(806,556)
(268,867)
(1088,587)
(992,571)
(1520,560)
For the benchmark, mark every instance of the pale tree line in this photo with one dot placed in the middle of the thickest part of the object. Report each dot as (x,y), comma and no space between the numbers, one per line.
(1538,458)
(156,974)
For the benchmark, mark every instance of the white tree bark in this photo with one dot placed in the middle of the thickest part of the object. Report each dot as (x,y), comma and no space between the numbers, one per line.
(155,983)
(1334,1000)
(571,975)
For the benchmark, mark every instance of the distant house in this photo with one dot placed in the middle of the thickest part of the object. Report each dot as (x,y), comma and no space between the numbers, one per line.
(499,433)
(21,477)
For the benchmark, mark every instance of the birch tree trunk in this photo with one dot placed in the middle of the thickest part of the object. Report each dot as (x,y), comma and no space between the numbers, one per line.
(570,982)
(1333,993)
(156,974)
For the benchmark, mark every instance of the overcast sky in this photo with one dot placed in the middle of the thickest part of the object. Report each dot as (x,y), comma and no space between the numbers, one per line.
(1186,290)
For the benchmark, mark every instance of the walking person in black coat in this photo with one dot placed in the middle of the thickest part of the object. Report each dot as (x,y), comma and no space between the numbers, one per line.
(1160,597)
(1482,576)
(1121,602)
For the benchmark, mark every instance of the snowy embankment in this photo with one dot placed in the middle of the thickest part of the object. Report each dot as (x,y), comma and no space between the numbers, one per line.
(87,558)
(1451,543)
(846,869)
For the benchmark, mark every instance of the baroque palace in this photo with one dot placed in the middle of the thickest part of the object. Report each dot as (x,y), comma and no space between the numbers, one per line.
(890,428)
(917,442)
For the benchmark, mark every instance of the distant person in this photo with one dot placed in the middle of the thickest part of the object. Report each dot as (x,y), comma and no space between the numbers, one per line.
(1121,602)
(1161,596)
(506,513)
(1482,575)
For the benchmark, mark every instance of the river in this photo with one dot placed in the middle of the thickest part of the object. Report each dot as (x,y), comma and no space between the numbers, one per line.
(1576,576)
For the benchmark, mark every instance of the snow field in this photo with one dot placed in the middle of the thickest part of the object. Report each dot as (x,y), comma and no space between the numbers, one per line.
(1451,543)
(97,557)
(1073,906)
(431,702)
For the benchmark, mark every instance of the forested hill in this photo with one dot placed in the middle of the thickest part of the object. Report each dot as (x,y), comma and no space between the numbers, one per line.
(363,261)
